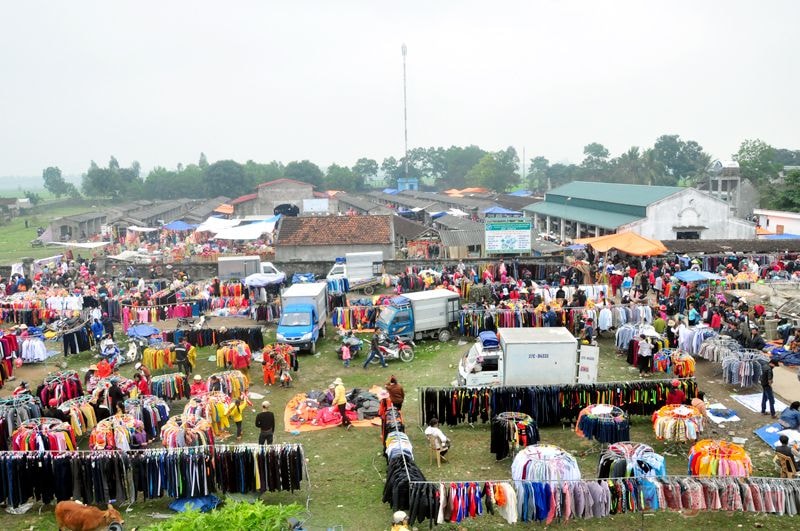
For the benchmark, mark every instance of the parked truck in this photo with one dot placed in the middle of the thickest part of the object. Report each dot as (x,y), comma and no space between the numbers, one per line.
(520,356)
(362,270)
(241,267)
(421,314)
(303,314)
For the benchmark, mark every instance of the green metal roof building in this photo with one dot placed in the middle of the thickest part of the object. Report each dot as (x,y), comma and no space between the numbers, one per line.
(583,209)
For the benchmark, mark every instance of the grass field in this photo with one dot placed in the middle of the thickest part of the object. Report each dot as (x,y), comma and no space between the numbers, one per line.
(15,239)
(347,468)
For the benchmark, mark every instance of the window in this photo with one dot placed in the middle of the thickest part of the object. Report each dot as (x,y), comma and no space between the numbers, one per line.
(688,235)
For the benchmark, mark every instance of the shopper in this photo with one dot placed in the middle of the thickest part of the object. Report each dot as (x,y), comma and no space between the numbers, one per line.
(396,393)
(374,350)
(766,389)
(198,386)
(676,396)
(790,417)
(265,421)
(340,402)
(645,356)
(235,411)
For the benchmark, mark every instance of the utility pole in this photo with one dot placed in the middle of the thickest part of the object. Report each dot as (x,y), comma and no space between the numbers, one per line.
(405,111)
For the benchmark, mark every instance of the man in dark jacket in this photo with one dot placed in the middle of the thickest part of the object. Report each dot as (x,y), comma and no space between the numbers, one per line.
(396,393)
(766,389)
(265,421)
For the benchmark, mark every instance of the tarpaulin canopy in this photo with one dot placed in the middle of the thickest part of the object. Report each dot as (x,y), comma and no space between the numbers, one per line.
(224,209)
(696,276)
(500,211)
(142,330)
(213,224)
(253,231)
(259,280)
(135,228)
(78,245)
(627,242)
(179,225)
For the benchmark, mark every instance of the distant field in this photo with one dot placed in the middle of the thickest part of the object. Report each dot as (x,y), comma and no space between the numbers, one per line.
(15,239)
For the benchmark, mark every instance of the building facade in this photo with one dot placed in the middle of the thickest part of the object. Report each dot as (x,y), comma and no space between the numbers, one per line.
(327,237)
(584,209)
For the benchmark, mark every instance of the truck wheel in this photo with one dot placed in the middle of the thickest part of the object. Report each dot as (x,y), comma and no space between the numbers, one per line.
(322,331)
(444,335)
(313,347)
(406,354)
(369,290)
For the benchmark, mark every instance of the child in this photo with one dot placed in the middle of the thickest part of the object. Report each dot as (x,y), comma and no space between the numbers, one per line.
(268,367)
(346,355)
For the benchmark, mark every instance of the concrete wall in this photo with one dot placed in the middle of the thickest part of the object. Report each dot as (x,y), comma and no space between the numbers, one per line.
(205,270)
(271,196)
(288,253)
(691,208)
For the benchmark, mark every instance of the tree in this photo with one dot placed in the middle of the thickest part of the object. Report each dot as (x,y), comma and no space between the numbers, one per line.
(203,163)
(390,168)
(756,161)
(342,178)
(496,171)
(305,171)
(258,173)
(458,161)
(365,169)
(34,198)
(537,173)
(113,181)
(226,178)
(628,167)
(787,197)
(595,161)
(677,161)
(54,182)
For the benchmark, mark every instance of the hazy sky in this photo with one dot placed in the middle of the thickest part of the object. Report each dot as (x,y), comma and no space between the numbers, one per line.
(159,82)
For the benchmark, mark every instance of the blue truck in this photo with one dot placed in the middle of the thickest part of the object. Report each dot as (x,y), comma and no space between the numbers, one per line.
(421,314)
(303,315)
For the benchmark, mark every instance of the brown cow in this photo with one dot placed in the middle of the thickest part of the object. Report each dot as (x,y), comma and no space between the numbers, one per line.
(73,516)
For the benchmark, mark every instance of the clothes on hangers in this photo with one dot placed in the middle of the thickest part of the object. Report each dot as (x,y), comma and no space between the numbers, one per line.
(511,431)
(152,410)
(234,353)
(212,406)
(61,385)
(719,458)
(604,423)
(677,423)
(233,383)
(547,405)
(99,477)
(187,430)
(627,459)
(743,367)
(173,386)
(118,432)
(43,434)
(16,410)
(544,462)
(81,414)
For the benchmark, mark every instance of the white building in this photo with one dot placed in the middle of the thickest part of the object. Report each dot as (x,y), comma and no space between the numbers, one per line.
(583,209)
(778,221)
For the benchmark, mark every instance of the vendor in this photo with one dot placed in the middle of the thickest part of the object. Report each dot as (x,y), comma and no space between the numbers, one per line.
(790,417)
(144,370)
(103,369)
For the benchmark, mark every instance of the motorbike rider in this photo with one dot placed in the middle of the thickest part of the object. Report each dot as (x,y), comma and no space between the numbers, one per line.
(374,350)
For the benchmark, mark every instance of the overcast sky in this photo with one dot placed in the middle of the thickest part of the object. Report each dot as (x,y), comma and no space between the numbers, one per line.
(159,82)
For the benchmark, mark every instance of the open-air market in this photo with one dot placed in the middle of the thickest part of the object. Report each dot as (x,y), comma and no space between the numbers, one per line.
(511,331)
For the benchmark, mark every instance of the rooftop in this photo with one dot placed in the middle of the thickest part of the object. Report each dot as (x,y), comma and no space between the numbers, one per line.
(335,230)
(625,194)
(457,223)
(84,216)
(409,229)
(283,181)
(243,199)
(590,216)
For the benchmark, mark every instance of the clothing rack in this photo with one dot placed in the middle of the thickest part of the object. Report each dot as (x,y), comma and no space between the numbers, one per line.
(547,405)
(510,432)
(234,353)
(719,458)
(43,433)
(232,383)
(152,410)
(604,423)
(743,367)
(118,432)
(565,500)
(98,477)
(61,385)
(185,430)
(677,423)
(626,459)
(81,414)
(14,411)
(172,386)
(212,406)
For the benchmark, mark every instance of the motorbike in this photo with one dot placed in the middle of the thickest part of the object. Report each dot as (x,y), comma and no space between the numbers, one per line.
(394,349)
(193,324)
(351,341)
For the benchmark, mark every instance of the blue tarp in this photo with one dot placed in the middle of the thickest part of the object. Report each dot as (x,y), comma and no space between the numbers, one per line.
(576,246)
(142,330)
(502,211)
(522,193)
(203,504)
(391,191)
(303,277)
(780,237)
(437,215)
(697,276)
(179,225)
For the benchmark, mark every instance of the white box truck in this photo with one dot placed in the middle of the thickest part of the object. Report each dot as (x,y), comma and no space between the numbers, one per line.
(303,314)
(241,267)
(362,270)
(524,356)
(421,314)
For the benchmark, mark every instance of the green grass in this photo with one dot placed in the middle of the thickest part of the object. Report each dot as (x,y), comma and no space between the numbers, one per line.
(15,239)
(347,469)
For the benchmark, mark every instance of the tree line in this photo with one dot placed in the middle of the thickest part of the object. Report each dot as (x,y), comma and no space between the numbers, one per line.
(671,161)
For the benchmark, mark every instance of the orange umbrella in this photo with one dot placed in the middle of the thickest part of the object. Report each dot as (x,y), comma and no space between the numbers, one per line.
(627,242)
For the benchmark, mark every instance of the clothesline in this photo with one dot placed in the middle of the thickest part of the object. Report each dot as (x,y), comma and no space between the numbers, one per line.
(150,451)
(649,380)
(792,481)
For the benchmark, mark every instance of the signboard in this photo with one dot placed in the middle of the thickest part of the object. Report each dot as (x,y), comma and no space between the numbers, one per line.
(588,363)
(315,206)
(508,236)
